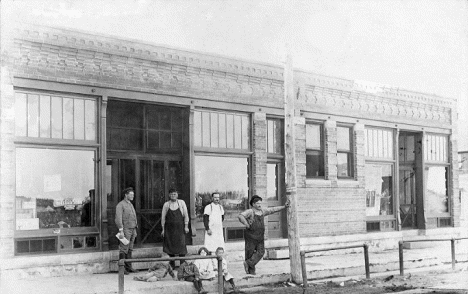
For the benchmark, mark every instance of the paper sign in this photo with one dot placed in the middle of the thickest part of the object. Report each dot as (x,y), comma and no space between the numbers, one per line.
(27,224)
(52,183)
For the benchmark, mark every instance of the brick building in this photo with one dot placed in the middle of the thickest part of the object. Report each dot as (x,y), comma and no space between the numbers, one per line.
(84,116)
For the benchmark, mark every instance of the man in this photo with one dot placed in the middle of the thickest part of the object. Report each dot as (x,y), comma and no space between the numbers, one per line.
(174,222)
(213,218)
(126,221)
(253,220)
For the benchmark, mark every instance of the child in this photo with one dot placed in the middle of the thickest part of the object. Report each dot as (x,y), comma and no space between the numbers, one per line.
(189,272)
(156,272)
(227,276)
(205,266)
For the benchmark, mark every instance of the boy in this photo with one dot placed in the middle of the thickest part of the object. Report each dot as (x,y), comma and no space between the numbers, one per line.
(227,276)
(156,273)
(188,271)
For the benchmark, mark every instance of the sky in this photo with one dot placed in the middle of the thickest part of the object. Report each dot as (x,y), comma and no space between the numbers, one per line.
(419,45)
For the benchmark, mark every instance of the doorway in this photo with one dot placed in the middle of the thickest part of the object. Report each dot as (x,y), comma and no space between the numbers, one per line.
(275,192)
(407,198)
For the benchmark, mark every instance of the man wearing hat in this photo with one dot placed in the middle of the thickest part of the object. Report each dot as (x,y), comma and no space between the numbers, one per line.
(253,220)
(126,221)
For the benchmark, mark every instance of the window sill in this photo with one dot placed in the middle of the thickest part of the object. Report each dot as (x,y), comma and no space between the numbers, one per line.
(318,183)
(347,183)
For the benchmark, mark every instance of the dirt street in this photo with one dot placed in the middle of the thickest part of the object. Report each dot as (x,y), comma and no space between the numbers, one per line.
(440,281)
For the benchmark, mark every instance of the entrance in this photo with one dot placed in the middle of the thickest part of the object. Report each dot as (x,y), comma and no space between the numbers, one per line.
(275,192)
(144,151)
(409,159)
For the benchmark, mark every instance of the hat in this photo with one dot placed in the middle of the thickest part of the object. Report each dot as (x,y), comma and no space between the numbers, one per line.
(255,198)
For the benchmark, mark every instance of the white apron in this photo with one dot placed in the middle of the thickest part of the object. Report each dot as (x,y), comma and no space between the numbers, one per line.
(216,226)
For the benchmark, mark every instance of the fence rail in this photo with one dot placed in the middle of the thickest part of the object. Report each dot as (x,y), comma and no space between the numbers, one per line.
(304,252)
(401,243)
(122,268)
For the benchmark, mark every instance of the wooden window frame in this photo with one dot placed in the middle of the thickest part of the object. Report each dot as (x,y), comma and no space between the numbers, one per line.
(349,153)
(314,151)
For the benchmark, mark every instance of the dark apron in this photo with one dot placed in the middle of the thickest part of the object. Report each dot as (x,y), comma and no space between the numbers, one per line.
(174,232)
(257,229)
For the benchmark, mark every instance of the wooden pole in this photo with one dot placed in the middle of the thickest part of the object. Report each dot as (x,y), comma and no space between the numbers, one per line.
(290,163)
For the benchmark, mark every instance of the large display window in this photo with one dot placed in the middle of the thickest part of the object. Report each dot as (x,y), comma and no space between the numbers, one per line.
(55,188)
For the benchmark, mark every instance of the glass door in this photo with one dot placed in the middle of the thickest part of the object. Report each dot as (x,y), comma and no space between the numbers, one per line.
(407,198)
(275,184)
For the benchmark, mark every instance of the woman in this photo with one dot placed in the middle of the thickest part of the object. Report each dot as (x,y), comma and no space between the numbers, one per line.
(174,222)
(205,266)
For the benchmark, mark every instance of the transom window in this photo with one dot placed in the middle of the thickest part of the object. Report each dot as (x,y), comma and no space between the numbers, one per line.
(215,129)
(55,117)
(436,148)
(274,136)
(315,165)
(379,143)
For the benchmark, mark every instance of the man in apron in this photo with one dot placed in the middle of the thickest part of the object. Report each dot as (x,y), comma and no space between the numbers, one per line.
(174,222)
(213,218)
(254,233)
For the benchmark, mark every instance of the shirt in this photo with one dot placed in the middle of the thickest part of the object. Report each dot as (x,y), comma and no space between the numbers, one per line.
(125,215)
(183,209)
(188,270)
(249,213)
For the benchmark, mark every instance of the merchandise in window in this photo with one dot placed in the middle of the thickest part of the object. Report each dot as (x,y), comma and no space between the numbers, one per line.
(437,189)
(315,164)
(379,189)
(54,188)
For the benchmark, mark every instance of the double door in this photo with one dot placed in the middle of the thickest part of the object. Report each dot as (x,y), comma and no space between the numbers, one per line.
(151,177)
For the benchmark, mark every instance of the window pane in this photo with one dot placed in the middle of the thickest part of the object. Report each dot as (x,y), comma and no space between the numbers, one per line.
(122,139)
(67,118)
(245,132)
(45,116)
(315,165)
(78,119)
(33,115)
(313,137)
(270,136)
(437,192)
(197,125)
(214,129)
(124,114)
(237,132)
(343,165)
(222,130)
(165,139)
(272,181)
(206,129)
(57,122)
(344,139)
(211,175)
(90,120)
(230,131)
(20,115)
(153,140)
(165,120)
(379,189)
(51,194)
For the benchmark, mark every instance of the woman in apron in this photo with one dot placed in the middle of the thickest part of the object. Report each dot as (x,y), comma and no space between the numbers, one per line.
(174,221)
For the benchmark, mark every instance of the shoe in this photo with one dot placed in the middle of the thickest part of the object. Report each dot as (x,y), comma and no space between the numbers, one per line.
(126,272)
(132,270)
(252,272)
(202,291)
(246,267)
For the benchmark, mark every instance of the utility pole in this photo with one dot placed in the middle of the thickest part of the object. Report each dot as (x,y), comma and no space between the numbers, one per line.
(290,163)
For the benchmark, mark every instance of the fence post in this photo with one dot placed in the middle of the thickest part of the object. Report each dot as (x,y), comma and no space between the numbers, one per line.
(121,276)
(220,275)
(400,254)
(452,243)
(304,271)
(366,260)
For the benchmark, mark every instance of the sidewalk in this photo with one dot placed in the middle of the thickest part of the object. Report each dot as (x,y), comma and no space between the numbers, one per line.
(268,271)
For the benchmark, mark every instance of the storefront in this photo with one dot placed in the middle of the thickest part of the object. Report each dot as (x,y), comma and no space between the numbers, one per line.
(94,114)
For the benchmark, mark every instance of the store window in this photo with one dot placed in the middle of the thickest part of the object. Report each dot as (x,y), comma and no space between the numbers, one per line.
(226,175)
(55,205)
(436,173)
(345,152)
(54,188)
(379,179)
(437,189)
(315,164)
(379,189)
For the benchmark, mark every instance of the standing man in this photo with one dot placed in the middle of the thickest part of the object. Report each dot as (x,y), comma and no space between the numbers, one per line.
(213,218)
(174,222)
(126,221)
(253,220)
